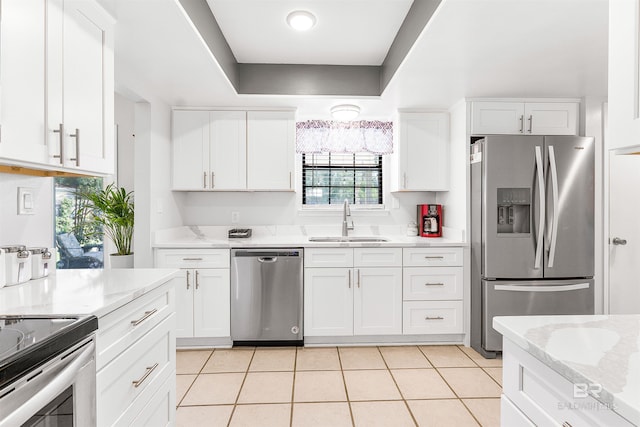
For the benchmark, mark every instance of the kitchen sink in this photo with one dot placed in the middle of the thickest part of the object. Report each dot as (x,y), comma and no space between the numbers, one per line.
(348,239)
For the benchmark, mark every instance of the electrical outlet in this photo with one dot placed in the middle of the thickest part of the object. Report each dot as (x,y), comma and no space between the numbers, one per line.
(235,217)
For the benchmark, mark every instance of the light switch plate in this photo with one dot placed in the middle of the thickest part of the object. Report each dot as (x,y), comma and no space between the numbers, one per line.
(26,201)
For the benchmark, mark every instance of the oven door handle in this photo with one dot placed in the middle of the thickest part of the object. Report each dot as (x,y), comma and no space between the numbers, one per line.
(50,391)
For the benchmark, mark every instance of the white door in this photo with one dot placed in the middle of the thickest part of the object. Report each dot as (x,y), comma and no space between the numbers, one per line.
(228,150)
(190,148)
(328,301)
(88,87)
(624,205)
(211,303)
(184,304)
(496,118)
(377,305)
(270,150)
(551,118)
(424,151)
(22,71)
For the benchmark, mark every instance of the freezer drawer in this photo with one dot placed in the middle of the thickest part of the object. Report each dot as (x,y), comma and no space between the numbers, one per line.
(540,297)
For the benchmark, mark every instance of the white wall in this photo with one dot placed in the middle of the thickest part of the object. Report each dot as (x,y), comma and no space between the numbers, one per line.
(125,121)
(30,230)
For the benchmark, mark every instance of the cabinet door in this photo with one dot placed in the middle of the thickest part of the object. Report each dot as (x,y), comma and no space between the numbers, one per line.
(494,118)
(212,306)
(424,152)
(551,118)
(88,87)
(270,150)
(328,301)
(190,148)
(184,304)
(22,70)
(228,150)
(377,306)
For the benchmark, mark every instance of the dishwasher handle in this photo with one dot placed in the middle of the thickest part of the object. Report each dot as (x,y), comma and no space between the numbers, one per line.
(268,259)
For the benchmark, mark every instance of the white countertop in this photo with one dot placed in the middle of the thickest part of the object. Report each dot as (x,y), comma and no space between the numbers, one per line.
(85,291)
(597,349)
(295,236)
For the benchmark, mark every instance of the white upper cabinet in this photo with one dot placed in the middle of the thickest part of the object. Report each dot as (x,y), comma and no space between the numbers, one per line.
(232,150)
(421,152)
(270,150)
(524,118)
(22,65)
(57,85)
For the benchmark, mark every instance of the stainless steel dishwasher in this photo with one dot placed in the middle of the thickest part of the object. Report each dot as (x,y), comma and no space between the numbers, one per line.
(266,296)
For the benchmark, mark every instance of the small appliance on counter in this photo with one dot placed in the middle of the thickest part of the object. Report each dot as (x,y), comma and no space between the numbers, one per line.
(239,233)
(40,262)
(430,220)
(17,264)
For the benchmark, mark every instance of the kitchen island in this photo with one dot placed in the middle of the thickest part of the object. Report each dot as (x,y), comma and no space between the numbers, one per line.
(135,341)
(571,370)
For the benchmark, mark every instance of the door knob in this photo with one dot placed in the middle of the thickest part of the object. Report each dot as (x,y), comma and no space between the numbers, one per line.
(619,241)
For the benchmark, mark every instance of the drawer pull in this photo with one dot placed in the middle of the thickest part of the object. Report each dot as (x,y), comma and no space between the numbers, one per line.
(150,369)
(192,259)
(434,318)
(434,257)
(197,281)
(566,424)
(434,284)
(146,315)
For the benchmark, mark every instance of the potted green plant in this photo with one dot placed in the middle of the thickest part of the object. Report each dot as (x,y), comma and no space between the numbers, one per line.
(113,209)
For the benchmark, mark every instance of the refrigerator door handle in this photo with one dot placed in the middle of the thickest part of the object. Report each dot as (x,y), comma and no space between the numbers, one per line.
(556,201)
(539,243)
(542,288)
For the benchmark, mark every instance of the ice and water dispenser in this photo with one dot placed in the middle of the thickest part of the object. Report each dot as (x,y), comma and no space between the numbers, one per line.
(514,210)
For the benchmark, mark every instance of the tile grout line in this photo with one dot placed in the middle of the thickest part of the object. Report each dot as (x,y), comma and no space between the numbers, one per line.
(293,385)
(406,404)
(346,391)
(246,373)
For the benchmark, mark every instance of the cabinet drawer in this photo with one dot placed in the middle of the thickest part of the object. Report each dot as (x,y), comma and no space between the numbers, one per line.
(432,317)
(377,257)
(432,283)
(546,397)
(121,328)
(145,364)
(161,409)
(192,258)
(427,257)
(328,257)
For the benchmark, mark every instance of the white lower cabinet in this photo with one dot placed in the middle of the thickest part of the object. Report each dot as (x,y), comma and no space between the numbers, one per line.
(136,361)
(203,292)
(346,301)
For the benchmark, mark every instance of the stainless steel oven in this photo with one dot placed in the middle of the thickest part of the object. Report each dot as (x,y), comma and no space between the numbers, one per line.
(58,391)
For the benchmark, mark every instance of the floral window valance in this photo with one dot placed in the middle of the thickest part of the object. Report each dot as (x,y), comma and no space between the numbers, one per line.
(325,136)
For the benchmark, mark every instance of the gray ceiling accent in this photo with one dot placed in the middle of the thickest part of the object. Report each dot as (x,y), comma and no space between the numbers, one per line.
(299,79)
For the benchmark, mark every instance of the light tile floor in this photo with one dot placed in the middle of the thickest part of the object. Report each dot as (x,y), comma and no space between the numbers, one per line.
(334,387)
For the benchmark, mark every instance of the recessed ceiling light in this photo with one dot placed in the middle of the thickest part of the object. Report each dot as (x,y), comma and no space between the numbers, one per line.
(301,20)
(345,112)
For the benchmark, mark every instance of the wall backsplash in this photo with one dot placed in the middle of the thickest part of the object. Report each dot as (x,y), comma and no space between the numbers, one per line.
(30,230)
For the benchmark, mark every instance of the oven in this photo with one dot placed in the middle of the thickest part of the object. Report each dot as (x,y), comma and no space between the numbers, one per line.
(51,382)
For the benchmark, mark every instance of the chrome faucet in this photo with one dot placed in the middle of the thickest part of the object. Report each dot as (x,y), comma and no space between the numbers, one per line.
(346,212)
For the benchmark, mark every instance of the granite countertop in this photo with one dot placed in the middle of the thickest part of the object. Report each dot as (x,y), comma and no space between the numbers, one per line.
(600,349)
(296,236)
(86,291)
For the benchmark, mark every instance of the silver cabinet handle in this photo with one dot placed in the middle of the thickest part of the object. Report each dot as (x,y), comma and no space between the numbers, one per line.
(619,241)
(144,317)
(349,279)
(522,124)
(150,369)
(204,180)
(434,284)
(434,257)
(556,203)
(60,131)
(358,278)
(566,424)
(530,123)
(197,281)
(188,279)
(77,137)
(434,318)
(192,259)
(213,179)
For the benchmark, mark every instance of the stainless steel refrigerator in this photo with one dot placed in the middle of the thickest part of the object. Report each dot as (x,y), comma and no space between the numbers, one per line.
(532,232)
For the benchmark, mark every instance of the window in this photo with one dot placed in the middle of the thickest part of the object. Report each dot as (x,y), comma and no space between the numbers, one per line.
(330,178)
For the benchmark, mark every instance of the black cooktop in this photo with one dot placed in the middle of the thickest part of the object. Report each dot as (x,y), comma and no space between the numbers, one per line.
(27,342)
